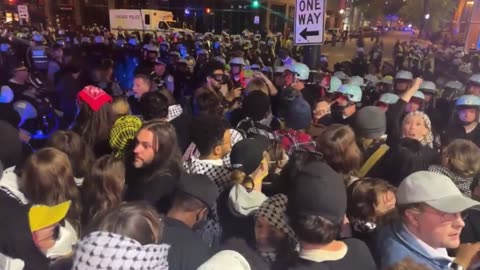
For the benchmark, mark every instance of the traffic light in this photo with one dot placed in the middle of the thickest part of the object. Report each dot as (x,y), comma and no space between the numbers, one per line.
(208,10)
(255,4)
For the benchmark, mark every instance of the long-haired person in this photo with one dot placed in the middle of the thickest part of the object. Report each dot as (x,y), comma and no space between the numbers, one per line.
(103,187)
(79,153)
(460,161)
(126,235)
(338,145)
(47,178)
(237,206)
(154,165)
(94,119)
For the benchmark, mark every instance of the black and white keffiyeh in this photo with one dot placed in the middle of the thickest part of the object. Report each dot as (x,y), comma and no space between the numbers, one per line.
(174,111)
(274,210)
(463,184)
(219,174)
(104,251)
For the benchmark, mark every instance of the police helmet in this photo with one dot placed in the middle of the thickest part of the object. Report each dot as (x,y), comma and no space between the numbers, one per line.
(475,78)
(237,61)
(6,94)
(428,87)
(372,79)
(454,85)
(357,80)
(341,75)
(419,95)
(389,98)
(468,100)
(37,38)
(301,70)
(404,75)
(352,92)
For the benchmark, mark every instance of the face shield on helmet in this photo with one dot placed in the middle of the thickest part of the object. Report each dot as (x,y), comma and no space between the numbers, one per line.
(416,103)
(386,100)
(473,85)
(467,108)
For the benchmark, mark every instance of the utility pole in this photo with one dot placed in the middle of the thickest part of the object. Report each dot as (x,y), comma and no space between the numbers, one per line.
(49,20)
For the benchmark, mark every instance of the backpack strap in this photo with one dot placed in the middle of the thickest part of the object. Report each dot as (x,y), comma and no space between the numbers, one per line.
(373,159)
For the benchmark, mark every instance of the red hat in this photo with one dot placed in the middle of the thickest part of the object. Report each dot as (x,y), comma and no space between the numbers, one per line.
(94,97)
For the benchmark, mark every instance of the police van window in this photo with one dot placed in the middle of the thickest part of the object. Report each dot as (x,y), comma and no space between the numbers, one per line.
(147,19)
(163,26)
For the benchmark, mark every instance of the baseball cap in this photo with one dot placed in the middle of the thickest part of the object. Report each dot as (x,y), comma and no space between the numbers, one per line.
(199,186)
(436,190)
(159,61)
(247,154)
(43,216)
(319,191)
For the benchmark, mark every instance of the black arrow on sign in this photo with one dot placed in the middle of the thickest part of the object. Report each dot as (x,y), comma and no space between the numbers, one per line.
(305,33)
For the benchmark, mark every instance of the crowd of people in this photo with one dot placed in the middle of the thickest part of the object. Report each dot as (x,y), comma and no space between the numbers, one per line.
(227,152)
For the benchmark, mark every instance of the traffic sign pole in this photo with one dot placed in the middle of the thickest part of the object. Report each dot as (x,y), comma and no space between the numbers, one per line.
(309,29)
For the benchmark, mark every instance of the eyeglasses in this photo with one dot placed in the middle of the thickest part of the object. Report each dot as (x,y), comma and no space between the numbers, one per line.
(285,160)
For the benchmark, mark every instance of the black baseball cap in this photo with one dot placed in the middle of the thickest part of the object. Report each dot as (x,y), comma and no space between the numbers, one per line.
(319,191)
(160,61)
(247,154)
(199,186)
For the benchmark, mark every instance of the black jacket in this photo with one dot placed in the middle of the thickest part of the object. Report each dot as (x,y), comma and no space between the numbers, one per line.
(153,186)
(357,257)
(15,237)
(187,251)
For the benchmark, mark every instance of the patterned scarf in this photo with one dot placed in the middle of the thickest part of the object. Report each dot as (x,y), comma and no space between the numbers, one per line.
(463,184)
(103,251)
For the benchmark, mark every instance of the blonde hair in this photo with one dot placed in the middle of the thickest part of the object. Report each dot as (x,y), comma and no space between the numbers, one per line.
(238,177)
(257,84)
(462,157)
(120,107)
(428,139)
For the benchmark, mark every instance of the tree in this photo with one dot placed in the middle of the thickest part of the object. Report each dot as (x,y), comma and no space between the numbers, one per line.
(373,9)
(414,11)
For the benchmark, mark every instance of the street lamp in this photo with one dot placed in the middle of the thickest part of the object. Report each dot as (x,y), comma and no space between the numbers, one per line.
(341,11)
(427,16)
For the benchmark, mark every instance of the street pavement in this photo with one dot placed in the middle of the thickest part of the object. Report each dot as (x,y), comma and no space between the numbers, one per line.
(338,53)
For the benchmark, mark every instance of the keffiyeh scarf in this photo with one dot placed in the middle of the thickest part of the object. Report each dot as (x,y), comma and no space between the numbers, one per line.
(103,251)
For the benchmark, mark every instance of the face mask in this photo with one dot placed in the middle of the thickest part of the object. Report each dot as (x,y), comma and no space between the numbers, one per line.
(63,246)
(200,223)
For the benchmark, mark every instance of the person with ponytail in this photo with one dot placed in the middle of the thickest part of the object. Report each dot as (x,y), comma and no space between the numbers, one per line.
(238,205)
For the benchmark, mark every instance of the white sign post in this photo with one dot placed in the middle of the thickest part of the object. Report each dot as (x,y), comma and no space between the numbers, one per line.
(23,13)
(309,22)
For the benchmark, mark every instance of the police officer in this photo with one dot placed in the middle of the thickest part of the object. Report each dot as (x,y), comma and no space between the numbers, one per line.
(160,77)
(473,85)
(347,98)
(467,126)
(37,56)
(403,80)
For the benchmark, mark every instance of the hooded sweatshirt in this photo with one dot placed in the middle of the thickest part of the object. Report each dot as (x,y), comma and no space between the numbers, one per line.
(236,209)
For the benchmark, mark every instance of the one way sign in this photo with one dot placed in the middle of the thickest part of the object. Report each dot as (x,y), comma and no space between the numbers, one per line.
(309,22)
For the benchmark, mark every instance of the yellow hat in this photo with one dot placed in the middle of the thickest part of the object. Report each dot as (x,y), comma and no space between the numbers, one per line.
(43,216)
